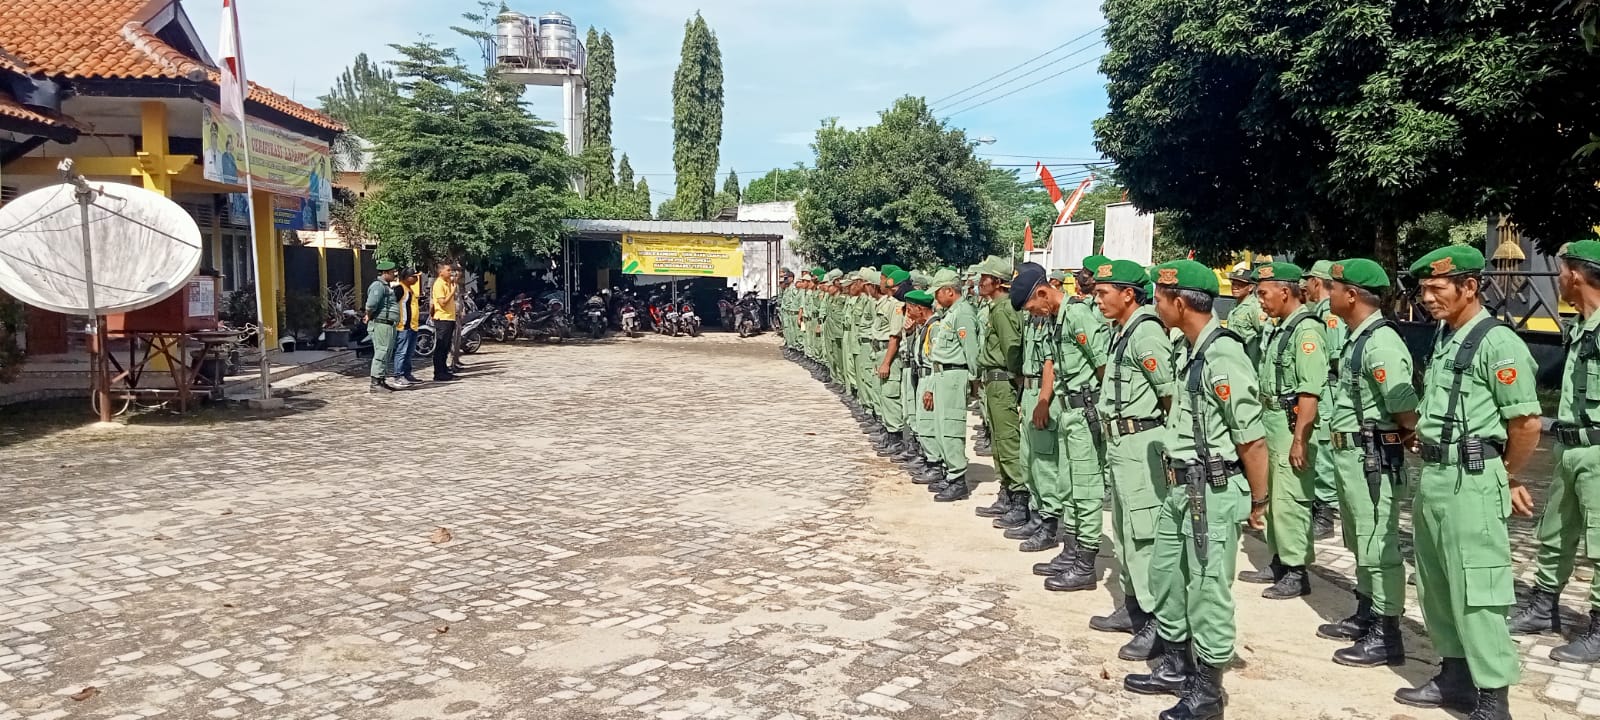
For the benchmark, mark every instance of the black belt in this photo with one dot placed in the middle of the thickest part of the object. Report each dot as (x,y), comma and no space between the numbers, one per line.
(995,375)
(1352,440)
(923,372)
(1032,382)
(1180,472)
(1132,426)
(1081,398)
(880,344)
(941,367)
(1574,436)
(1442,455)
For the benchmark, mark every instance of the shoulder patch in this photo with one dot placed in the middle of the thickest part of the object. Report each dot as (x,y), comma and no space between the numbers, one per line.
(1380,375)
(1333,322)
(1083,339)
(1308,347)
(962,333)
(1506,376)
(1151,364)
(1224,392)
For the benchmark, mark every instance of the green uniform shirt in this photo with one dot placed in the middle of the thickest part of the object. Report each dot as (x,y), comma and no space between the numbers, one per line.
(889,317)
(381,304)
(1230,408)
(1080,348)
(833,318)
(1139,368)
(1384,377)
(1294,357)
(1498,387)
(955,337)
(1581,358)
(1001,348)
(1248,320)
(1038,344)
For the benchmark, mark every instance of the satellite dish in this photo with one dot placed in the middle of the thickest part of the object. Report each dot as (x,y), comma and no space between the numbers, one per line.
(145,249)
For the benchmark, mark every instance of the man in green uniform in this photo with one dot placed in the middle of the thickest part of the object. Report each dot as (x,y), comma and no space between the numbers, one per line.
(1135,397)
(1373,409)
(999,368)
(1478,423)
(865,367)
(924,423)
(1572,512)
(1324,507)
(917,458)
(953,350)
(983,441)
(787,294)
(832,316)
(1041,468)
(1074,364)
(1293,375)
(889,318)
(383,311)
(849,341)
(1216,466)
(1246,318)
(1058,279)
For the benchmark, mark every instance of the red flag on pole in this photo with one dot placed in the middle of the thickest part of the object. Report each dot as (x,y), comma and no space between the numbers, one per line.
(1027,236)
(1072,204)
(234,85)
(1050,186)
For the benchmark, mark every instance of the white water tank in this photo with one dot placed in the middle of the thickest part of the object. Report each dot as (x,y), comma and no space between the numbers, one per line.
(515,42)
(558,42)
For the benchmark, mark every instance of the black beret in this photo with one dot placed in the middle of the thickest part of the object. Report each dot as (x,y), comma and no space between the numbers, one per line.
(1029,277)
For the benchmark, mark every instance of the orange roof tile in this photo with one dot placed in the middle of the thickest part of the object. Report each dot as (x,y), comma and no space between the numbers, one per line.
(106,40)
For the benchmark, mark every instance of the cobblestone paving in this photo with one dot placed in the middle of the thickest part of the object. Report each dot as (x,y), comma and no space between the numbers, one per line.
(602,530)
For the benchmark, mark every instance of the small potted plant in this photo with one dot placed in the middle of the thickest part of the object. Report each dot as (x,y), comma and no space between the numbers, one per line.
(336,328)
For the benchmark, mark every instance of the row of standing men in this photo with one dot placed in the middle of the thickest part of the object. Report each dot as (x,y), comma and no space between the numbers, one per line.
(1130,386)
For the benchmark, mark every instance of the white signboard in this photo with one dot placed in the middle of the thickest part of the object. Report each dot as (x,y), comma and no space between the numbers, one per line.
(1070,244)
(202,298)
(1130,234)
(1042,257)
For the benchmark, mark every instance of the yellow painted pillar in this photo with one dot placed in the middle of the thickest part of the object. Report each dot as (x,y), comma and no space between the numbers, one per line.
(153,154)
(355,256)
(267,248)
(489,284)
(216,244)
(322,271)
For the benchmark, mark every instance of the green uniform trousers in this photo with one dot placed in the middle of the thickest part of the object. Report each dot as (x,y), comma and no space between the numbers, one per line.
(1082,475)
(1041,466)
(924,423)
(1325,481)
(1005,431)
(1289,533)
(1572,513)
(866,374)
(1138,487)
(890,408)
(1463,556)
(383,336)
(908,397)
(1194,600)
(1371,531)
(950,420)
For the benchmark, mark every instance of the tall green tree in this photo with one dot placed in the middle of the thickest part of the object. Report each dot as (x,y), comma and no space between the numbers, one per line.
(359,97)
(625,176)
(463,171)
(731,186)
(641,198)
(908,190)
(779,184)
(697,122)
(602,80)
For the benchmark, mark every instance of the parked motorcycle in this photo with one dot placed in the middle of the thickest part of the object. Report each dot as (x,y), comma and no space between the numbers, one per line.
(594,316)
(628,311)
(728,309)
(545,318)
(688,321)
(660,306)
(747,315)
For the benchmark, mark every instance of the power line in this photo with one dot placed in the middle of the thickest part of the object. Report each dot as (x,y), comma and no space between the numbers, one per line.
(1025,87)
(1043,157)
(1025,75)
(1002,73)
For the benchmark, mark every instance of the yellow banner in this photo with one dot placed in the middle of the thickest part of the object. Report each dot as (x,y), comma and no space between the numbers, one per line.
(282,162)
(682,255)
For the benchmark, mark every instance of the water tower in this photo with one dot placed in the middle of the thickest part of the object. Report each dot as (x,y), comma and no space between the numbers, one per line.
(545,50)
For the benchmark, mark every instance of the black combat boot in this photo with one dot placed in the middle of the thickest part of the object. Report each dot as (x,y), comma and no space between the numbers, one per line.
(1145,644)
(1493,704)
(1353,627)
(1296,582)
(982,447)
(1541,612)
(893,447)
(1265,576)
(954,490)
(1203,699)
(1322,516)
(1062,562)
(1583,649)
(1026,530)
(380,385)
(1452,688)
(932,473)
(1018,515)
(1079,575)
(1002,503)
(1381,645)
(1127,618)
(1045,538)
(1169,677)
(913,449)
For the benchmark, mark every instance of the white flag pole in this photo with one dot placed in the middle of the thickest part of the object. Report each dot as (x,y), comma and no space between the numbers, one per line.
(235,83)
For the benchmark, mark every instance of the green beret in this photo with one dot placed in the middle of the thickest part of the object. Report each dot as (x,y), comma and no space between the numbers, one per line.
(1280,271)
(1093,262)
(1121,272)
(1582,250)
(1362,273)
(385,266)
(890,269)
(1060,275)
(818,273)
(997,267)
(1187,275)
(1322,270)
(899,276)
(946,277)
(1448,260)
(920,297)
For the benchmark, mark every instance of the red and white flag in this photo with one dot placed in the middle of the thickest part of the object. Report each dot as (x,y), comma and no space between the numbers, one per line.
(1027,236)
(1050,186)
(1072,203)
(230,58)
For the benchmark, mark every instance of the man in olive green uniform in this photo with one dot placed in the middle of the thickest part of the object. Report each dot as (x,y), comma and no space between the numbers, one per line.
(1041,468)
(864,367)
(925,422)
(1319,286)
(1216,464)
(1293,375)
(999,367)
(1479,422)
(849,339)
(787,294)
(917,458)
(889,318)
(1572,512)
(1246,318)
(832,312)
(1135,397)
(1373,409)
(953,350)
(383,311)
(982,442)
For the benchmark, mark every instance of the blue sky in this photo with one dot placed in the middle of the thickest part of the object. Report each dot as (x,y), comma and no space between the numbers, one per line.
(788,65)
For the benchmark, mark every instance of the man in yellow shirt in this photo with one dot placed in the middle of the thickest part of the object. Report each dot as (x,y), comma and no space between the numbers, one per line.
(444,321)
